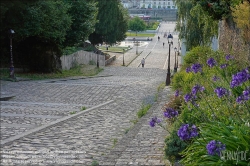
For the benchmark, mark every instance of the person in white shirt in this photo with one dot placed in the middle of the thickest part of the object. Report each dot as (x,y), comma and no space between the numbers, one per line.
(143,62)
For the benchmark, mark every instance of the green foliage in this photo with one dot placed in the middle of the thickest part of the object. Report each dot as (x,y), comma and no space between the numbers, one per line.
(83,13)
(152,25)
(218,118)
(173,144)
(195,25)
(143,111)
(140,34)
(136,24)
(71,50)
(94,163)
(83,108)
(112,22)
(235,136)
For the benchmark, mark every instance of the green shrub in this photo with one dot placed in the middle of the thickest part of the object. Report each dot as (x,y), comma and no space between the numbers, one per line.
(174,145)
(235,136)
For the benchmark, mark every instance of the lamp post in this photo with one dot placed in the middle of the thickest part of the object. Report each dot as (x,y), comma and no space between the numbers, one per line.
(11,34)
(170,41)
(175,65)
(123,64)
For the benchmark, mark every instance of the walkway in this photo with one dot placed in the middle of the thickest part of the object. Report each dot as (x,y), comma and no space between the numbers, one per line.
(46,123)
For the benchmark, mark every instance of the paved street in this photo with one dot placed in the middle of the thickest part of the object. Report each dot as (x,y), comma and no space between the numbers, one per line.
(46,123)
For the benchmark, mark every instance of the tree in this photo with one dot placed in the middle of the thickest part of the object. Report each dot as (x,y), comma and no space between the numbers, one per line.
(195,24)
(136,24)
(83,13)
(40,29)
(110,20)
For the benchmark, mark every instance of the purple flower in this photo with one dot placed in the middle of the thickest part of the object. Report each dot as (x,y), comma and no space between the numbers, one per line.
(197,88)
(221,92)
(244,97)
(153,121)
(246,92)
(215,78)
(170,113)
(229,57)
(215,147)
(188,97)
(186,132)
(197,68)
(177,93)
(188,69)
(223,66)
(240,77)
(211,62)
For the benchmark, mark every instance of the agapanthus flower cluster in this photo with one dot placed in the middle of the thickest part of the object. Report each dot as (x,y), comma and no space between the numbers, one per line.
(229,57)
(197,88)
(189,97)
(211,62)
(215,147)
(188,69)
(186,132)
(170,113)
(177,93)
(196,68)
(154,121)
(245,96)
(221,92)
(223,66)
(215,78)
(240,77)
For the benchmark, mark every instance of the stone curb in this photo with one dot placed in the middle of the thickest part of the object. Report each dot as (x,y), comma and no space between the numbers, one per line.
(10,140)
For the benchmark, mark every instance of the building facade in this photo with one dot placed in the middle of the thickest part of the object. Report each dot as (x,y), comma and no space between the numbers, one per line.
(149,4)
(157,4)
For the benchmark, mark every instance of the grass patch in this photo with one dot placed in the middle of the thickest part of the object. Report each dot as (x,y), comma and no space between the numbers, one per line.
(143,110)
(83,108)
(113,49)
(161,87)
(132,34)
(73,112)
(81,70)
(94,163)
(127,130)
(114,142)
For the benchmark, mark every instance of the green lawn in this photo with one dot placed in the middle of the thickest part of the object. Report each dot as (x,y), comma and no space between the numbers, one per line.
(132,34)
(113,49)
(82,70)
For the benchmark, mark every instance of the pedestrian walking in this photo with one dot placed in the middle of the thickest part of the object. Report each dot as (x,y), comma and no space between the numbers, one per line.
(158,38)
(143,62)
(163,44)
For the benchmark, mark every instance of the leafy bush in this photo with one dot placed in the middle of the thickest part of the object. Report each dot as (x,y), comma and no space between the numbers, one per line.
(174,145)
(215,112)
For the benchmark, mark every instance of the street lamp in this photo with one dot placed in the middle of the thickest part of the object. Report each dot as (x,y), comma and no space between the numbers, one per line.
(175,65)
(11,35)
(170,41)
(123,58)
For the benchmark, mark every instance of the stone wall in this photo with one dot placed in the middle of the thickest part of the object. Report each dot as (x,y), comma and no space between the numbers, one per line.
(231,42)
(81,57)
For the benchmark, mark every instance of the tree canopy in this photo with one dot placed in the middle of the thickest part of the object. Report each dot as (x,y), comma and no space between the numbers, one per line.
(44,27)
(136,24)
(112,22)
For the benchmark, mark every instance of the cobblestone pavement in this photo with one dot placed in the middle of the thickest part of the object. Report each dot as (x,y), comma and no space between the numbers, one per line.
(82,139)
